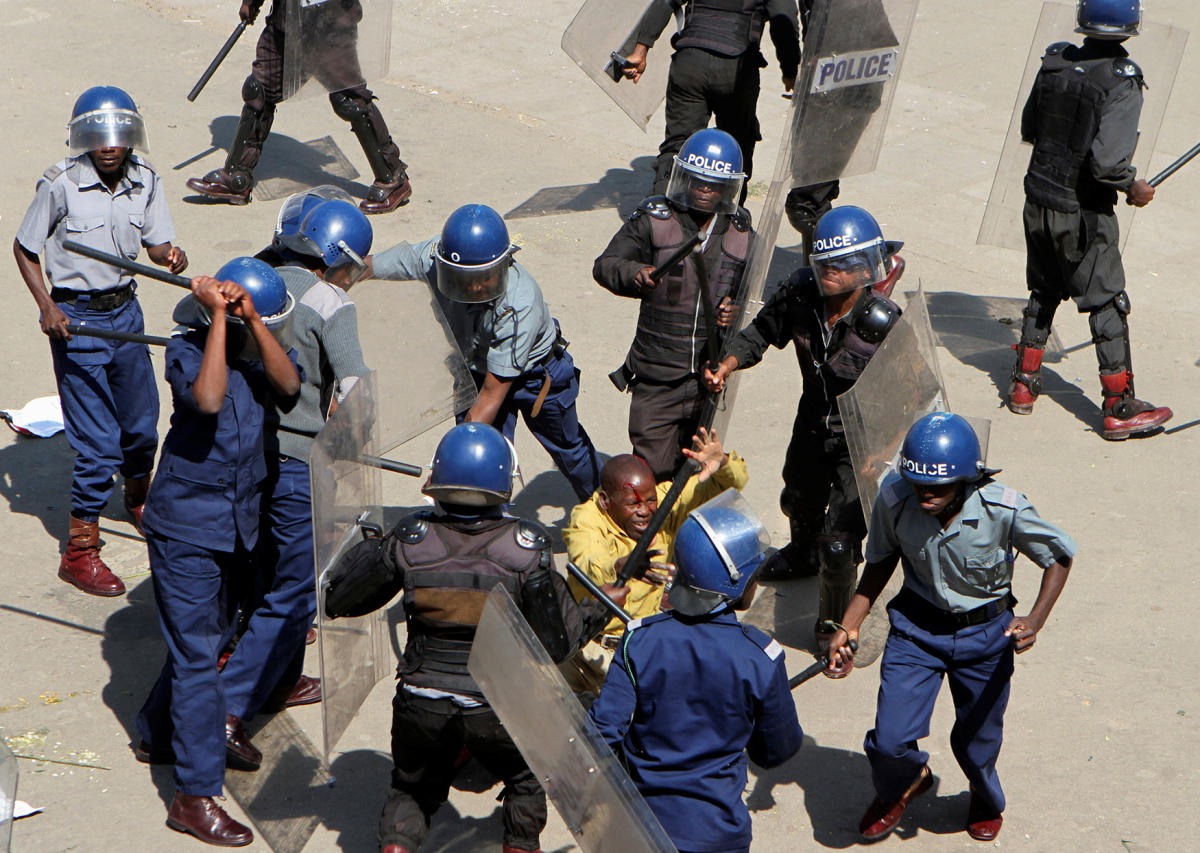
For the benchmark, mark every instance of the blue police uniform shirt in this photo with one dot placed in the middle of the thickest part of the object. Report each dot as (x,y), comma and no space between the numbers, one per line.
(507,336)
(964,566)
(207,487)
(683,703)
(72,203)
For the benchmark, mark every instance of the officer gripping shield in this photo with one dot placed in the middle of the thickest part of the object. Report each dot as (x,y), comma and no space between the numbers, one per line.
(602,34)
(853,50)
(1157,51)
(338,43)
(582,777)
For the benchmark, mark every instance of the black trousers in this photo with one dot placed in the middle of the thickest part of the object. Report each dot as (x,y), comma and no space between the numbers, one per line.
(819,485)
(701,85)
(662,420)
(427,737)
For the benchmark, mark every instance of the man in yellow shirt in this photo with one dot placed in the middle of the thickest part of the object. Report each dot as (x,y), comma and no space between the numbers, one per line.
(604,529)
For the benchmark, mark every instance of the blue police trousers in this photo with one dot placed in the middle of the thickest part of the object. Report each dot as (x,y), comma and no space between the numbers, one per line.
(109,403)
(186,707)
(978,662)
(272,649)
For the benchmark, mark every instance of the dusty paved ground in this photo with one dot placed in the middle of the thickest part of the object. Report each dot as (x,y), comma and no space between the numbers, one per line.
(1102,734)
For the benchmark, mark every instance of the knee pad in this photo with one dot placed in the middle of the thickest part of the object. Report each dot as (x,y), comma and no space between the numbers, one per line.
(789,503)
(348,106)
(254,94)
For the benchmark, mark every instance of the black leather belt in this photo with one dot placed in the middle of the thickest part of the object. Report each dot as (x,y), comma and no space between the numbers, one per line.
(102,300)
(610,642)
(932,616)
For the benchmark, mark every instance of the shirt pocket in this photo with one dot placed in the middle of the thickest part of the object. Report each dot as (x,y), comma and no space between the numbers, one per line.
(128,233)
(987,570)
(88,230)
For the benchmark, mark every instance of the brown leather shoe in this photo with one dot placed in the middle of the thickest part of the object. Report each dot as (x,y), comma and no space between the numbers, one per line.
(240,754)
(206,820)
(150,754)
(384,198)
(1125,416)
(881,818)
(508,848)
(81,565)
(136,489)
(306,691)
(310,637)
(393,848)
(983,821)
(223,185)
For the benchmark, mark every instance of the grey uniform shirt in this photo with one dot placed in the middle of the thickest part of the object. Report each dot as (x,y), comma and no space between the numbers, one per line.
(964,566)
(507,336)
(72,203)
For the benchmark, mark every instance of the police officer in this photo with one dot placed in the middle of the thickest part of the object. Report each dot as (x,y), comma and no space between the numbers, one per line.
(957,532)
(110,198)
(265,670)
(837,313)
(504,329)
(662,368)
(447,560)
(331,55)
(715,69)
(202,522)
(1082,118)
(692,690)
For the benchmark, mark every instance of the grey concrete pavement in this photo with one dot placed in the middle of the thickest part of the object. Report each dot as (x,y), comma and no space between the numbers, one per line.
(1102,745)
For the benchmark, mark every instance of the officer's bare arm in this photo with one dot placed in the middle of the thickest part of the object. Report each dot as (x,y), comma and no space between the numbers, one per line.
(53,321)
(1024,629)
(491,396)
(171,257)
(874,578)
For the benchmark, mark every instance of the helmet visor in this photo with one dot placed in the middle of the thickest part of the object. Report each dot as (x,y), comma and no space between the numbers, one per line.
(846,270)
(297,204)
(703,193)
(472,284)
(106,129)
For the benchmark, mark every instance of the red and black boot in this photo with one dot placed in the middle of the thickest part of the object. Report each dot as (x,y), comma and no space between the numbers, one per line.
(81,565)
(1125,416)
(1026,382)
(136,489)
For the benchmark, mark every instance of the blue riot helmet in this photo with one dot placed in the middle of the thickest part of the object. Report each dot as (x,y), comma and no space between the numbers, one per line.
(942,448)
(1108,19)
(338,233)
(473,466)
(298,205)
(473,255)
(270,297)
(105,117)
(848,251)
(707,173)
(718,549)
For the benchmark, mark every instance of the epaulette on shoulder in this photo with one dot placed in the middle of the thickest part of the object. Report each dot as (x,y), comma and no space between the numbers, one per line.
(140,159)
(740,219)
(531,535)
(656,206)
(1057,48)
(770,647)
(894,489)
(1126,67)
(413,528)
(54,171)
(999,494)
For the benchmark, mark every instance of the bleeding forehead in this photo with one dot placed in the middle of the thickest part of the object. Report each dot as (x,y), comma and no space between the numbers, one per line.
(637,490)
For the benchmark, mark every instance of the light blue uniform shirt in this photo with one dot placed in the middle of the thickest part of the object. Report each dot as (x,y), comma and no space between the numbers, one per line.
(72,203)
(507,336)
(964,566)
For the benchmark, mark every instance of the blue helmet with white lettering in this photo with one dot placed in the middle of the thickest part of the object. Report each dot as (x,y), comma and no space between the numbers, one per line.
(848,251)
(473,255)
(105,117)
(339,234)
(1108,19)
(942,448)
(472,466)
(707,173)
(718,549)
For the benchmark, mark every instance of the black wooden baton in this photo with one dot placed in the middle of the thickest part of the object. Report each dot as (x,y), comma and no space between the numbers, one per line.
(635,563)
(677,256)
(217,60)
(391,465)
(590,585)
(1174,167)
(127,265)
(124,337)
(813,668)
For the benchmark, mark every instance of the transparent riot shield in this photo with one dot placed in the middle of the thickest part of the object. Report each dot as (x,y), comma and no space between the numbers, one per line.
(853,50)
(334,44)
(8,794)
(602,28)
(1158,51)
(582,778)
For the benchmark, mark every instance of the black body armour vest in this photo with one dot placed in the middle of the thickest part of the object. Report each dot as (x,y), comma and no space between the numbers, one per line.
(449,567)
(727,27)
(1071,88)
(671,338)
